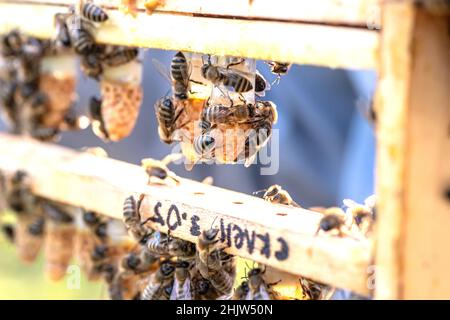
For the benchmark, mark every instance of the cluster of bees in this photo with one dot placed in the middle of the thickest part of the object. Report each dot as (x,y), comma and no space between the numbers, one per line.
(205,124)
(36,92)
(352,219)
(38,79)
(135,262)
(117,68)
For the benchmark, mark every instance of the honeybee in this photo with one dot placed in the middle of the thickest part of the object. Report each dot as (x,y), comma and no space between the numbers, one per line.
(363,214)
(59,239)
(261,84)
(334,219)
(182,283)
(267,110)
(214,264)
(313,290)
(81,37)
(204,290)
(132,219)
(241,291)
(181,249)
(279,68)
(158,244)
(29,236)
(157,170)
(276,194)
(133,267)
(180,72)
(62,31)
(120,55)
(215,114)
(224,76)
(93,232)
(259,289)
(91,65)
(255,140)
(204,146)
(138,263)
(98,124)
(11,44)
(9,232)
(93,12)
(158,282)
(167,113)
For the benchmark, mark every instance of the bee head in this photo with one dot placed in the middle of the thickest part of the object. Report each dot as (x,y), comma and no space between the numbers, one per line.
(100,252)
(37,227)
(167,268)
(272,191)
(90,218)
(102,230)
(211,234)
(131,261)
(330,222)
(202,286)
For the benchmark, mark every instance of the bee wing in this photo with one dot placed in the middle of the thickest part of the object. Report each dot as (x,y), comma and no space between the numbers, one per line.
(263,292)
(187,290)
(249,295)
(250,160)
(349,203)
(371,201)
(189,166)
(162,70)
(174,293)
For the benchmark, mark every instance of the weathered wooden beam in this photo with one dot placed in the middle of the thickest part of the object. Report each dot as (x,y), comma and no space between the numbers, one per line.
(275,235)
(413,155)
(333,46)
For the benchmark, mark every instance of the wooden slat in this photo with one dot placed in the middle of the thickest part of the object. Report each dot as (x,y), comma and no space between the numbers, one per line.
(275,235)
(332,46)
(343,12)
(413,155)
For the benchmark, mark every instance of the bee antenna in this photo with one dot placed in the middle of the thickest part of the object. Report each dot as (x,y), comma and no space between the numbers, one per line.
(214,221)
(145,221)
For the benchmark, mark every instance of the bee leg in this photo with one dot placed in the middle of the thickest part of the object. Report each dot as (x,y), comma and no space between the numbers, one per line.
(235,63)
(277,80)
(197,82)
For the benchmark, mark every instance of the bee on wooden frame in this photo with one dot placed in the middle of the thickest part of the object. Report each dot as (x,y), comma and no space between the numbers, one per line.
(158,282)
(276,194)
(225,76)
(59,239)
(279,69)
(313,290)
(158,172)
(93,12)
(258,288)
(214,264)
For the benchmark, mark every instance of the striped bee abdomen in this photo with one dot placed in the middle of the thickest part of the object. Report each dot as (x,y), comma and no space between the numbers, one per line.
(204,144)
(238,82)
(121,56)
(216,114)
(179,68)
(93,12)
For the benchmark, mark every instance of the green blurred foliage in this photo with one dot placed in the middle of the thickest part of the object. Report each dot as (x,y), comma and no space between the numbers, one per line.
(21,281)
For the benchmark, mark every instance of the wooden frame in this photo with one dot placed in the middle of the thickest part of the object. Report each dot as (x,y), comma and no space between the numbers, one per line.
(258,37)
(276,235)
(410,54)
